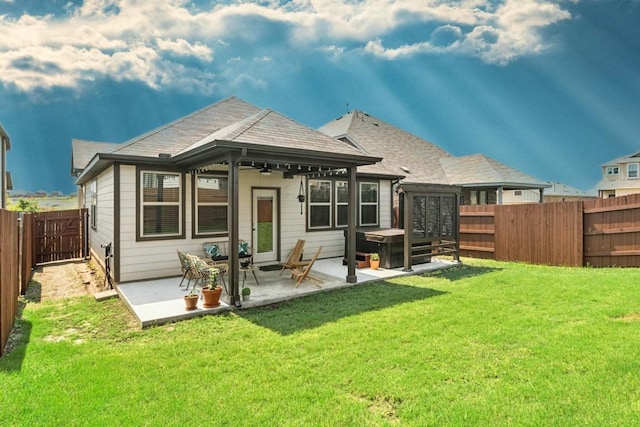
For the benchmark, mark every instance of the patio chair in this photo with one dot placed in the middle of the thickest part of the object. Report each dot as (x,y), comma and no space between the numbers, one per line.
(294,257)
(185,265)
(302,272)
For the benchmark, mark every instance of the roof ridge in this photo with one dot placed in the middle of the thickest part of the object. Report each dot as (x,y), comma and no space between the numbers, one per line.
(181,119)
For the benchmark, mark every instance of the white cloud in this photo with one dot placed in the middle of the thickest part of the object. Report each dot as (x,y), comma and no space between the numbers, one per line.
(172,44)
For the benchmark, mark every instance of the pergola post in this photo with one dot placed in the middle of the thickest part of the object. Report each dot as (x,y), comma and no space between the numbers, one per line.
(408,230)
(351,226)
(233,226)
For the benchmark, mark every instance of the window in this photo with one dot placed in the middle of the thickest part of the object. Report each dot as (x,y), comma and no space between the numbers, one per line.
(212,204)
(632,170)
(93,199)
(329,204)
(483,197)
(368,203)
(612,170)
(161,204)
(342,203)
(319,203)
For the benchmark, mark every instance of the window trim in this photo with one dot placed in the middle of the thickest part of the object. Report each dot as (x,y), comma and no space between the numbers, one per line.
(140,204)
(636,170)
(612,170)
(361,204)
(93,203)
(311,204)
(338,203)
(195,205)
(333,211)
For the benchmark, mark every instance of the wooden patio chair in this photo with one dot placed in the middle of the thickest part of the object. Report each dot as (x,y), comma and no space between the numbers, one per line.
(294,257)
(302,272)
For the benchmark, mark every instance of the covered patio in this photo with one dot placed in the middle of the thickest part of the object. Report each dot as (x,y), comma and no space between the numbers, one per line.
(156,302)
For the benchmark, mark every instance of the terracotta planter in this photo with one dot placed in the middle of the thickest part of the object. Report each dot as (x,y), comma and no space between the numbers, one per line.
(374,264)
(211,297)
(191,302)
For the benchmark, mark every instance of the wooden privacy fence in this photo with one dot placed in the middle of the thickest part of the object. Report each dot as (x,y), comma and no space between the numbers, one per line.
(600,233)
(15,267)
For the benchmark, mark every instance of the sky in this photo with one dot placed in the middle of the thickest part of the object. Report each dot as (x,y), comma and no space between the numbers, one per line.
(548,87)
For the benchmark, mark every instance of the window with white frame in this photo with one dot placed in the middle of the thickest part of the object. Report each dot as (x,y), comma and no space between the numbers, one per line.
(93,200)
(212,204)
(342,203)
(612,170)
(632,170)
(161,204)
(368,203)
(319,203)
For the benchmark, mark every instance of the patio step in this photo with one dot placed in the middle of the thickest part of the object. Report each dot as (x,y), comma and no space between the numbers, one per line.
(362,260)
(101,296)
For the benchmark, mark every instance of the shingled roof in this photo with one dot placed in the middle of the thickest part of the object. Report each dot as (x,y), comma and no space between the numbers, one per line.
(83,151)
(421,161)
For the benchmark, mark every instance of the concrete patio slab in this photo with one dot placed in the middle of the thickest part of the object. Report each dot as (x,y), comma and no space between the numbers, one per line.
(155,302)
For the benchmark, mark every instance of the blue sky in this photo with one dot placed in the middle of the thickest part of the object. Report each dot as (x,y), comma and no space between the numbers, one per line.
(551,88)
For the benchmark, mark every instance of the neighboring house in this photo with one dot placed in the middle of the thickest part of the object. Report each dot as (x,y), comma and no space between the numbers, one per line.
(557,192)
(5,176)
(620,177)
(483,180)
(228,172)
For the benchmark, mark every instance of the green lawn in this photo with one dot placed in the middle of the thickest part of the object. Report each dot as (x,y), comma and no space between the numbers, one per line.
(486,344)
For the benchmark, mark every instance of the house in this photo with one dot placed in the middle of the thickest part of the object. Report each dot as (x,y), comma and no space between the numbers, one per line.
(5,176)
(228,172)
(557,192)
(620,177)
(482,179)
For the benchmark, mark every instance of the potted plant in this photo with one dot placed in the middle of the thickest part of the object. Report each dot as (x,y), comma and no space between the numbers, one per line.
(374,261)
(212,291)
(191,300)
(245,294)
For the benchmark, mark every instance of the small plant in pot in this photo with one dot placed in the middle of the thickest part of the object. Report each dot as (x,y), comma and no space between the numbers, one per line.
(191,300)
(374,261)
(212,291)
(246,292)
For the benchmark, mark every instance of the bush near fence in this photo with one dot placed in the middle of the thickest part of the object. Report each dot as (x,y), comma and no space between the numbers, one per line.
(600,233)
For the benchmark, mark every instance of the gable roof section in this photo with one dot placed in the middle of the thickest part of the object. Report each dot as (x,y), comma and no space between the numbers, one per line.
(273,130)
(403,153)
(174,137)
(478,170)
(629,158)
(83,151)
(420,161)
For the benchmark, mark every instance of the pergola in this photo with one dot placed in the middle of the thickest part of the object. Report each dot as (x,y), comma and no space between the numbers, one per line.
(430,216)
(288,161)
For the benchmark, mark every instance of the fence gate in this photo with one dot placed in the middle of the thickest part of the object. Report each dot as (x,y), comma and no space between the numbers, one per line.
(60,235)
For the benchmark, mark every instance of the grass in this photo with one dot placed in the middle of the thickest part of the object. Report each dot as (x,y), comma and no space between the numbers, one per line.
(484,344)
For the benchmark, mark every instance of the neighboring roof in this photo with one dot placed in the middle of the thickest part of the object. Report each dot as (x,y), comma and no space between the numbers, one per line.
(635,157)
(5,135)
(478,170)
(422,161)
(83,151)
(402,152)
(562,190)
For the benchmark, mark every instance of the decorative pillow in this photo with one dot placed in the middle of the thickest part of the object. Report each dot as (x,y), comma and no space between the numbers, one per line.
(243,249)
(213,251)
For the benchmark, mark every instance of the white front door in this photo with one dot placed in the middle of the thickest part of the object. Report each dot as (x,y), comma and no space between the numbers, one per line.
(265,225)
